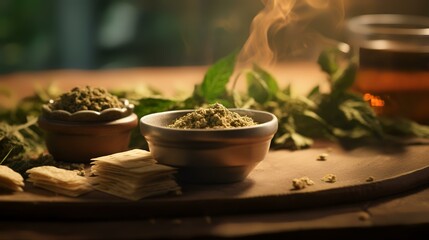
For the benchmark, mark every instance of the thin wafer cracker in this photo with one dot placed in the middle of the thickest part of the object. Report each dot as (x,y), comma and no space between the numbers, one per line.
(62,181)
(55,174)
(125,158)
(132,175)
(68,192)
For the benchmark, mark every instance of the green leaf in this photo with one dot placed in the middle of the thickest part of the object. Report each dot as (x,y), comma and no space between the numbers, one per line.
(293,141)
(151,105)
(287,90)
(354,110)
(7,155)
(354,133)
(261,85)
(216,78)
(146,106)
(345,79)
(269,80)
(257,88)
(314,93)
(313,115)
(328,61)
(301,141)
(405,127)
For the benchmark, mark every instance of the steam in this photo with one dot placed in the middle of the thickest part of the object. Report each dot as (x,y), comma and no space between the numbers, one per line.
(276,15)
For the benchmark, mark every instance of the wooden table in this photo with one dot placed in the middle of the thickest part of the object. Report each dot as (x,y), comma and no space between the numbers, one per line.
(401,216)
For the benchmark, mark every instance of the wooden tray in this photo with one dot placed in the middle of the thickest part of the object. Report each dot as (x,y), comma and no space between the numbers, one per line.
(395,168)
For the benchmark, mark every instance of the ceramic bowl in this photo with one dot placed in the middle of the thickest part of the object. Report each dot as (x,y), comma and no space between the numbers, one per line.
(209,155)
(71,140)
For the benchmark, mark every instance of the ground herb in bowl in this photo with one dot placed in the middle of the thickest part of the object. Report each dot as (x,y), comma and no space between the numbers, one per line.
(216,116)
(87,98)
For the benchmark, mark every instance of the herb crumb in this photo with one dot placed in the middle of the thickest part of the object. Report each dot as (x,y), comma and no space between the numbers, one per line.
(80,173)
(300,183)
(364,216)
(329,178)
(370,179)
(322,157)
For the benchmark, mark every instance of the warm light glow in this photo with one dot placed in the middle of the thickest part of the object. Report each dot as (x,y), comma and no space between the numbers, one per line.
(374,101)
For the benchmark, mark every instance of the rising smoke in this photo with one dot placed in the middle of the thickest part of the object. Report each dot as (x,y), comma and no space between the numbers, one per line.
(278,15)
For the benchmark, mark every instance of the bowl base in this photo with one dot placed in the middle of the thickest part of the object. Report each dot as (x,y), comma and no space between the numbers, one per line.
(213,175)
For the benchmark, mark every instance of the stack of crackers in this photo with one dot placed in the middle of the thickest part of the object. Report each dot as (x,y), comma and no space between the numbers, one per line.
(132,175)
(62,181)
(10,180)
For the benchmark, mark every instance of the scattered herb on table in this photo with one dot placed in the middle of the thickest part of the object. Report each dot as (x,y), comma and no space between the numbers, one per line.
(329,178)
(370,179)
(302,182)
(322,157)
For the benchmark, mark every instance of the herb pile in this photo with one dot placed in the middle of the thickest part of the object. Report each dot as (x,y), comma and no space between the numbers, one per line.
(87,98)
(338,115)
(215,116)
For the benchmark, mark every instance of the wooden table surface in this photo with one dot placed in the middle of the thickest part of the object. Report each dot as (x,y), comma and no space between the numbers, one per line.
(402,216)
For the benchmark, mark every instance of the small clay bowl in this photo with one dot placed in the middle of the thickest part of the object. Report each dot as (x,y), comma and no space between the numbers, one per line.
(72,140)
(209,155)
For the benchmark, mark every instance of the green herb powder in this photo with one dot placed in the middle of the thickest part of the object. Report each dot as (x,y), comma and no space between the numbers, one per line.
(87,98)
(215,116)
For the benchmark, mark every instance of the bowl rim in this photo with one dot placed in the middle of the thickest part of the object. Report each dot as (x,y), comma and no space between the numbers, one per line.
(109,114)
(87,128)
(143,121)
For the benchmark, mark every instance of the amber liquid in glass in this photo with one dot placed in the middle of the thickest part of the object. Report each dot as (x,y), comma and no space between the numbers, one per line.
(395,83)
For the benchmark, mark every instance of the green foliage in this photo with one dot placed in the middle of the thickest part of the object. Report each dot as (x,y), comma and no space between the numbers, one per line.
(297,119)
(404,127)
(337,115)
(152,105)
(21,147)
(261,84)
(213,87)
(21,140)
(348,115)
(328,61)
(146,106)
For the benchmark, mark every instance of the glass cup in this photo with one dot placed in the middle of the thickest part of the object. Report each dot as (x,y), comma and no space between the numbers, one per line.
(393,52)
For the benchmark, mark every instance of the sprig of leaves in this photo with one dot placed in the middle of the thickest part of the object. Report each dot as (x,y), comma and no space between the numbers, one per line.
(348,115)
(296,114)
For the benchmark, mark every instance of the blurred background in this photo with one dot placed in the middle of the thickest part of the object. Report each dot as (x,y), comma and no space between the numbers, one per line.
(40,35)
